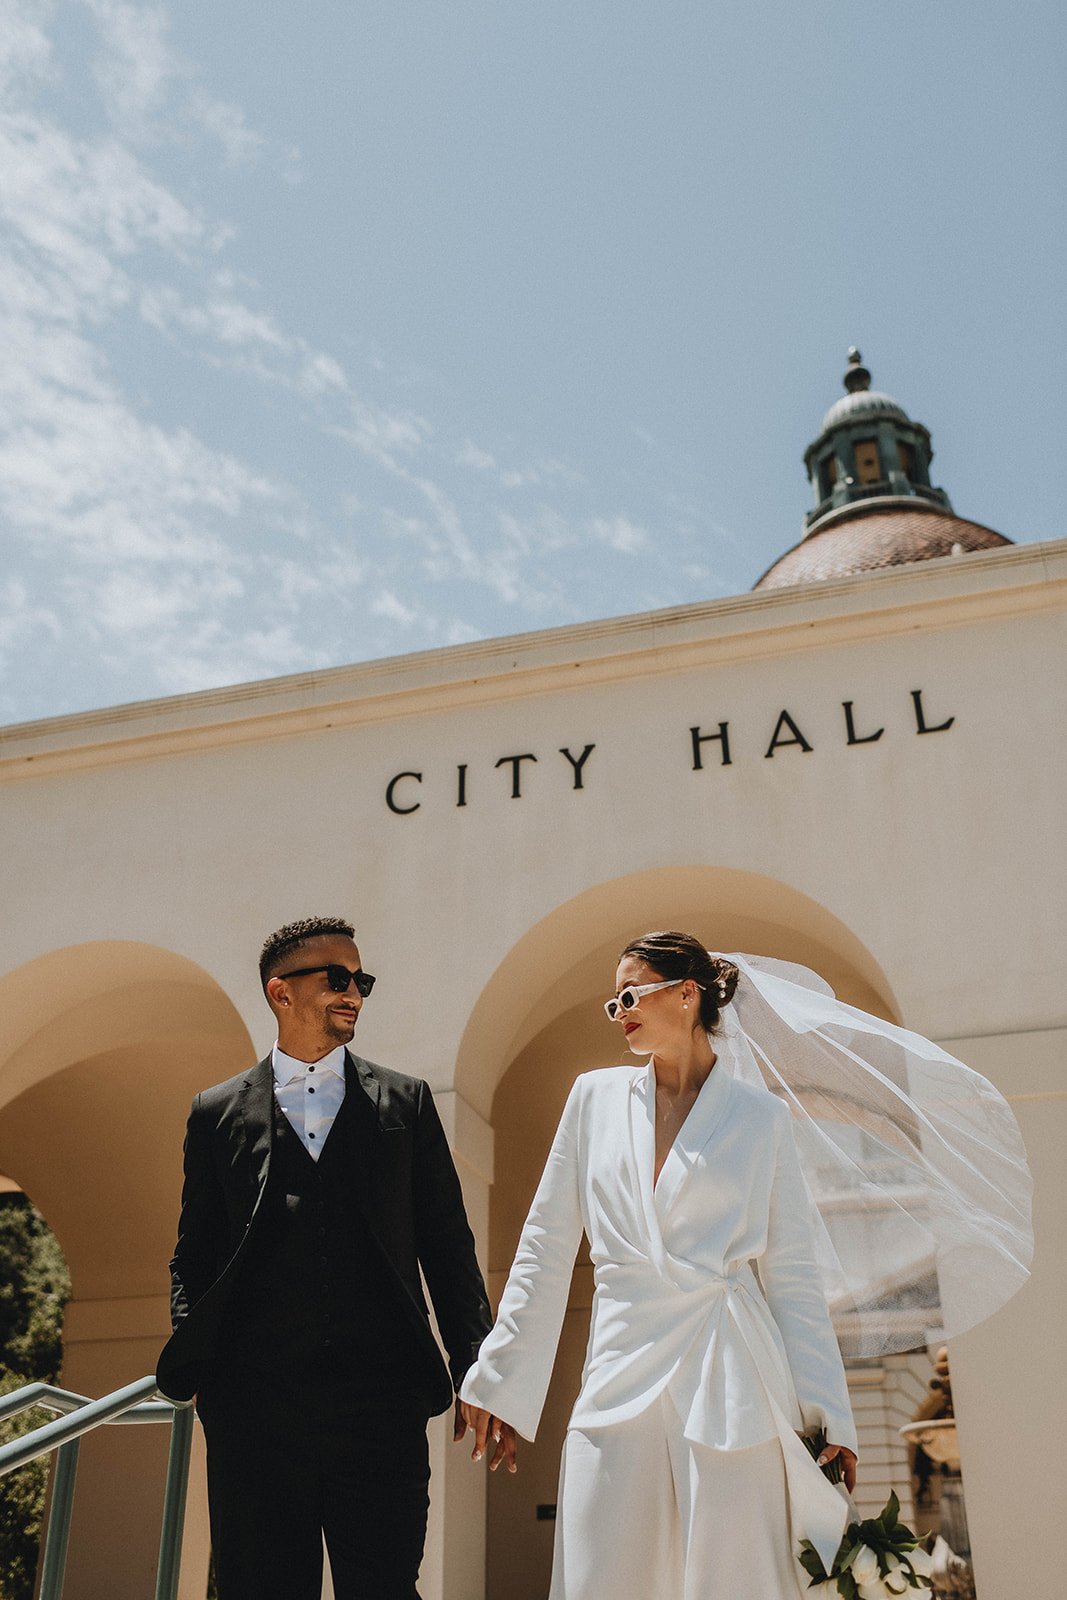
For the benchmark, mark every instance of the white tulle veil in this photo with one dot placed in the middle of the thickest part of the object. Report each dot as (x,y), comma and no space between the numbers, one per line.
(915,1162)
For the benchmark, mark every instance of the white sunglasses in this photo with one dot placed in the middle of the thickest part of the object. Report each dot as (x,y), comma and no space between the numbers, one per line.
(627,998)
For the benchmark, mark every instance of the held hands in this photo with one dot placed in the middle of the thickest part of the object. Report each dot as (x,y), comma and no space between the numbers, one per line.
(487,1429)
(846,1464)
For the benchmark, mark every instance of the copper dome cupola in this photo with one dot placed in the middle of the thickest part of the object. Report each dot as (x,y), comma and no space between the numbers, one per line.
(875,506)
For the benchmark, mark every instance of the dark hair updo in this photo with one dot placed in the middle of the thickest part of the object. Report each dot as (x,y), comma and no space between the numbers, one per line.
(680,955)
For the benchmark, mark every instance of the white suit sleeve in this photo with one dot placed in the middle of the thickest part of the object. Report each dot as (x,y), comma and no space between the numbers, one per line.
(792,1283)
(511,1375)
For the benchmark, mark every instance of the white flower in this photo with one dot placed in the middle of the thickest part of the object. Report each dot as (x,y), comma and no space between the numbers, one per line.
(896,1579)
(922,1562)
(865,1566)
(875,1590)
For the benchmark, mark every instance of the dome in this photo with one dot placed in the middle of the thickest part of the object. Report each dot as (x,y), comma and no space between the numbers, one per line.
(860,404)
(870,538)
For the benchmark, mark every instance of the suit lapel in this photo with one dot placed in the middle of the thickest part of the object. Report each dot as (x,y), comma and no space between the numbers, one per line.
(363,1109)
(363,1088)
(257,1118)
(642,1109)
(693,1136)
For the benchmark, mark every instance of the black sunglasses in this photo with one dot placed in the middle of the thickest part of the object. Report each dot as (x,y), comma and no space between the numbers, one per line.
(337,977)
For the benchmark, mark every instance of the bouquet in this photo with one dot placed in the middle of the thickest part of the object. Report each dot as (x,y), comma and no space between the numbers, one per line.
(877,1558)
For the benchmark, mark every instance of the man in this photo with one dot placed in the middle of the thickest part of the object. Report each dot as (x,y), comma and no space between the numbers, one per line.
(316,1186)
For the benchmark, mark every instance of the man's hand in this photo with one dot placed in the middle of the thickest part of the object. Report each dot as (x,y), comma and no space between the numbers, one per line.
(848,1463)
(486,1429)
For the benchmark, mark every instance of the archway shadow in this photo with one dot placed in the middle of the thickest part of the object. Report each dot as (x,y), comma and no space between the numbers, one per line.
(102,1047)
(537,1024)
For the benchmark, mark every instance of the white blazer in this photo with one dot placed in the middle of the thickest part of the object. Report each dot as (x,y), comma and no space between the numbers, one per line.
(677,1304)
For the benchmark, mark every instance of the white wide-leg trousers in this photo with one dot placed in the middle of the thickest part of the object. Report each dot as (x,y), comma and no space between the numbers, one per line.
(644,1514)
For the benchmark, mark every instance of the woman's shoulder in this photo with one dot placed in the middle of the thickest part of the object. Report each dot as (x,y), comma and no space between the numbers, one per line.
(600,1081)
(758,1103)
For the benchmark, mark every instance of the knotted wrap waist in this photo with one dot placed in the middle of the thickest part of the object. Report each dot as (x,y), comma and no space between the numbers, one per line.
(708,1339)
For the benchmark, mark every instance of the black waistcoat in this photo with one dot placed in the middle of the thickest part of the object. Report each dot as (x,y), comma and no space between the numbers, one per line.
(313,1292)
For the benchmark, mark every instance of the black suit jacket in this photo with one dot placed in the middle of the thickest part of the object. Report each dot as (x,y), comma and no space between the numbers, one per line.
(406,1189)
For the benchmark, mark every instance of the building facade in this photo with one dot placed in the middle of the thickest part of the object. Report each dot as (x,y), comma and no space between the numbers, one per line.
(863,773)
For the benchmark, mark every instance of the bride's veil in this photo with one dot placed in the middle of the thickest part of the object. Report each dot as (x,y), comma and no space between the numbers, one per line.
(915,1162)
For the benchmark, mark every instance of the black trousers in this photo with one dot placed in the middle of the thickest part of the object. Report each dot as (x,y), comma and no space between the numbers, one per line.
(293,1457)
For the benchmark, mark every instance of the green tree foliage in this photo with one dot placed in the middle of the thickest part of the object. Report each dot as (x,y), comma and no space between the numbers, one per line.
(34,1288)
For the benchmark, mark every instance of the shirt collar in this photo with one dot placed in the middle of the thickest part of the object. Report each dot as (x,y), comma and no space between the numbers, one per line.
(287,1068)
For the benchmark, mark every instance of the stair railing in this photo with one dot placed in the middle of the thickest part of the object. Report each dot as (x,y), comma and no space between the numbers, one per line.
(80,1415)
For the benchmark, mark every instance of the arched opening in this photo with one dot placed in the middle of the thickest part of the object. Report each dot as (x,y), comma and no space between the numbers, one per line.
(34,1290)
(537,1025)
(102,1047)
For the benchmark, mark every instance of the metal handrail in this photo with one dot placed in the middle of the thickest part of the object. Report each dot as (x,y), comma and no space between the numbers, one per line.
(80,1415)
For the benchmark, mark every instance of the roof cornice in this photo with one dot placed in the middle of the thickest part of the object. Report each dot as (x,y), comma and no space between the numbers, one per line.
(944,592)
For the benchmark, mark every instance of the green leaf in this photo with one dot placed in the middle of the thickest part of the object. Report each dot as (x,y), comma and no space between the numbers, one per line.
(891,1513)
(845,1563)
(811,1561)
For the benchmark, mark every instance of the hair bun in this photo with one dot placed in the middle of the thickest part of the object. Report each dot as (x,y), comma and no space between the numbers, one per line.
(726,976)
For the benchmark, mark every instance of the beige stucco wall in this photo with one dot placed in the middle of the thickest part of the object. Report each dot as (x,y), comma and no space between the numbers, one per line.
(156,844)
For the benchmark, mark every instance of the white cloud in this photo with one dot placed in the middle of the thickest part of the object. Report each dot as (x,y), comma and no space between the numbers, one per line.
(319,373)
(620,534)
(25,49)
(150,90)
(520,480)
(132,601)
(386,604)
(134,66)
(240,143)
(225,320)
(118,528)
(154,548)
(471,456)
(22,622)
(75,210)
(383,435)
(207,655)
(459,632)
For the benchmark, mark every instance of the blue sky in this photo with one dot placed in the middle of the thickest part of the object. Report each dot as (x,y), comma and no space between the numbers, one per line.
(338,331)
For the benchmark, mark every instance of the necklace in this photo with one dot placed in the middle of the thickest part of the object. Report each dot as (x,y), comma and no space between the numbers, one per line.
(677,1105)
(670,1106)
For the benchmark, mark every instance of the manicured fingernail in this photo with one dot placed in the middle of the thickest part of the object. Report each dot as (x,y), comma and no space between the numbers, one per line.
(477,1456)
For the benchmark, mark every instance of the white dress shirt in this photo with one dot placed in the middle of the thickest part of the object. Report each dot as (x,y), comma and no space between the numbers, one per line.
(310,1094)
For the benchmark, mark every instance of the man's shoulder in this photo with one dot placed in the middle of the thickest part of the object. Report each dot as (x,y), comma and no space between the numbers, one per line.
(401,1084)
(220,1095)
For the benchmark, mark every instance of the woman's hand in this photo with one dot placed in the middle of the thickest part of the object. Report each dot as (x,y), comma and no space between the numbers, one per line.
(848,1463)
(486,1428)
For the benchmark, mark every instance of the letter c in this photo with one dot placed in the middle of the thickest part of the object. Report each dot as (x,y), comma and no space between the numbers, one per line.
(401,811)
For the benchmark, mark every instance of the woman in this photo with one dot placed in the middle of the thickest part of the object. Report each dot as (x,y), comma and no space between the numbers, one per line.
(683,1475)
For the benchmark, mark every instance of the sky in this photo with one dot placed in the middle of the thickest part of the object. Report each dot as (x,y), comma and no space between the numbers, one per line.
(340,331)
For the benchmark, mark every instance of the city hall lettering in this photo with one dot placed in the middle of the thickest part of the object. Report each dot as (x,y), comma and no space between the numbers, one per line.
(707,745)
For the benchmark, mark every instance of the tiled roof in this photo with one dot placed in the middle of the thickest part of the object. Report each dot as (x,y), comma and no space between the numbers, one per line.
(869,540)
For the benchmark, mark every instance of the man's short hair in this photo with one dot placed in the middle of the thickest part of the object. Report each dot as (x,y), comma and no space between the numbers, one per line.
(280,945)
